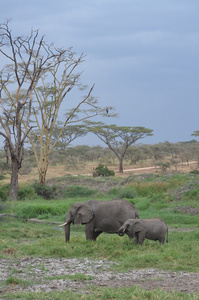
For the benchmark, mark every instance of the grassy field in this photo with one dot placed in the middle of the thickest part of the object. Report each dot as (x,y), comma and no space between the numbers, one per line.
(154,196)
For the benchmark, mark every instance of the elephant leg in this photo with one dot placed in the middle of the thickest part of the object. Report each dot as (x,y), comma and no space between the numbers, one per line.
(141,237)
(91,234)
(131,236)
(162,239)
(96,234)
(136,238)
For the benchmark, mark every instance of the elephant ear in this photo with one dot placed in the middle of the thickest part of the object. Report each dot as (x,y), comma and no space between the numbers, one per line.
(84,214)
(138,226)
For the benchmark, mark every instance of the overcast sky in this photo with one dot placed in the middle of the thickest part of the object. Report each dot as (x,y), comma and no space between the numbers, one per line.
(143,56)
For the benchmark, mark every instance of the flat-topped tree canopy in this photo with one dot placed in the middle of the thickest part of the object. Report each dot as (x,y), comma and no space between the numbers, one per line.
(118,138)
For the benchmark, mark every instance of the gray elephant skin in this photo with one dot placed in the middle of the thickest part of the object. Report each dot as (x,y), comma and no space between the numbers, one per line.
(99,216)
(152,229)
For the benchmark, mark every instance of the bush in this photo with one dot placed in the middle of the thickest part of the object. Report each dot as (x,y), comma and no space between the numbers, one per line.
(26,193)
(196,172)
(76,190)
(4,192)
(47,192)
(2,177)
(125,192)
(102,170)
(38,210)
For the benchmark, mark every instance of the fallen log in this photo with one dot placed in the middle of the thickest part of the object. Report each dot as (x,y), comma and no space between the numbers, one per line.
(42,222)
(8,215)
(30,220)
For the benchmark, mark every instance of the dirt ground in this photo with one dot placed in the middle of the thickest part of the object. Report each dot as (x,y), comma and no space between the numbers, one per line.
(42,273)
(60,171)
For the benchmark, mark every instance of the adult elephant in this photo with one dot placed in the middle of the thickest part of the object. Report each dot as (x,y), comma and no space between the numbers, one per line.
(99,216)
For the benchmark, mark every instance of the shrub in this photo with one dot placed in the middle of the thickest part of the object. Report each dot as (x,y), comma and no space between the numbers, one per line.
(196,172)
(76,190)
(114,191)
(47,192)
(102,170)
(4,192)
(127,192)
(26,193)
(2,177)
(38,210)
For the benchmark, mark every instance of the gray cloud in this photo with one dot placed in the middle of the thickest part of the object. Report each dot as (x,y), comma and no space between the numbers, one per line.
(142,55)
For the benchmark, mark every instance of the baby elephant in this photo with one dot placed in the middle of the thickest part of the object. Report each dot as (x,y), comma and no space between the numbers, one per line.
(152,229)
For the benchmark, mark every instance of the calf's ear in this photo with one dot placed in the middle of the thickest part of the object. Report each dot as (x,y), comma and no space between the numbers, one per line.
(137,226)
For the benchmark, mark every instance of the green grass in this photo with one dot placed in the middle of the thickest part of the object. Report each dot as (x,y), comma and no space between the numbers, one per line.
(19,239)
(127,293)
(13,280)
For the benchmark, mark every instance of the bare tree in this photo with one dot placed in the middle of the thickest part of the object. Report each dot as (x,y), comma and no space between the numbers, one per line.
(50,99)
(119,138)
(25,59)
(43,143)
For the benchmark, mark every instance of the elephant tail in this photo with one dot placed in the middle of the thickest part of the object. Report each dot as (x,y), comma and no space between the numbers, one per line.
(167,236)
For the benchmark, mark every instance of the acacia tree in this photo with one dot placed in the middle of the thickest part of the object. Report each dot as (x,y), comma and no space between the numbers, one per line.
(50,99)
(195,133)
(119,138)
(25,59)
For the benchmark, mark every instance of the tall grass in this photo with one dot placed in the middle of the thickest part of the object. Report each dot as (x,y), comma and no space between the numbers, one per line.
(150,188)
(127,293)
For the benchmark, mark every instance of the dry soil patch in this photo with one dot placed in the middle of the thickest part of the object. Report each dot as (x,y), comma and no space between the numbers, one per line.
(50,274)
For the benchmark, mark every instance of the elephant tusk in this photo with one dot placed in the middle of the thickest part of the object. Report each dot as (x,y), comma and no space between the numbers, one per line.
(63,224)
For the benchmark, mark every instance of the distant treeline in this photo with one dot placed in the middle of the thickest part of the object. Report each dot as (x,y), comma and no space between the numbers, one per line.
(78,156)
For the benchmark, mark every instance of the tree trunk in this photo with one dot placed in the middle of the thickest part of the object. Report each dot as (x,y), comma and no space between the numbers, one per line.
(121,166)
(14,181)
(42,175)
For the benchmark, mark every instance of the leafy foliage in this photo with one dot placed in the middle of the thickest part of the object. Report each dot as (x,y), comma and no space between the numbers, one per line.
(76,190)
(102,170)
(4,192)
(27,192)
(40,210)
(47,192)
(2,176)
(124,192)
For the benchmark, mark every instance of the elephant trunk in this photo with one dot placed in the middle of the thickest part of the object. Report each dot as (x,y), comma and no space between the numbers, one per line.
(67,232)
(121,231)
(167,236)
